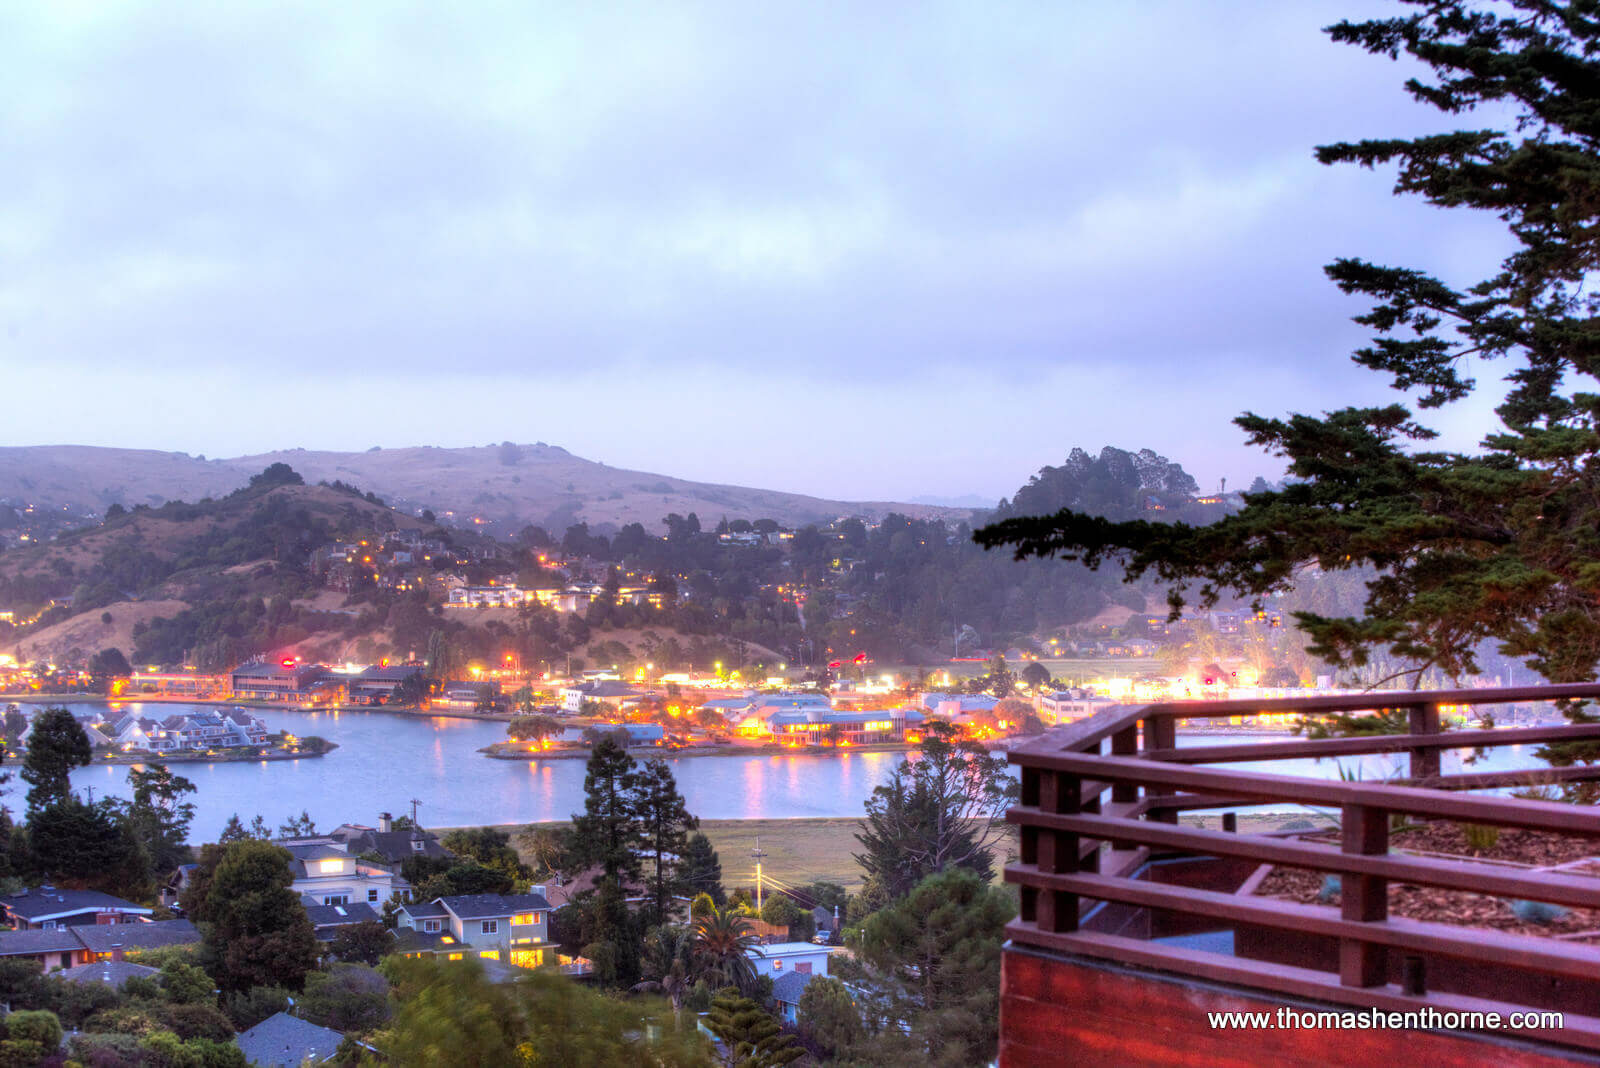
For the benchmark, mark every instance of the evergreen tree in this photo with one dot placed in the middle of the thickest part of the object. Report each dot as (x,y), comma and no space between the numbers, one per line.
(255,929)
(937,812)
(56,746)
(301,826)
(608,835)
(1498,543)
(933,957)
(666,824)
(702,869)
(829,1018)
(750,1035)
(88,847)
(158,817)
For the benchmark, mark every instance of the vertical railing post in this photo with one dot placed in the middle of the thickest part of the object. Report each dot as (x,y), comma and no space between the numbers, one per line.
(1364,898)
(1057,851)
(1161,732)
(1125,743)
(1424,719)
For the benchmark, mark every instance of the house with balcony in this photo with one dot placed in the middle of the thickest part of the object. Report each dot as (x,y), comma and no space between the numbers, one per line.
(513,928)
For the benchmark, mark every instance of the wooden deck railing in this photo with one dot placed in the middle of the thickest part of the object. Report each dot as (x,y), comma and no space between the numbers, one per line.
(1101,799)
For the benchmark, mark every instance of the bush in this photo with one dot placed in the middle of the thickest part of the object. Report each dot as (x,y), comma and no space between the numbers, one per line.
(73,1003)
(247,1008)
(16,1053)
(196,1021)
(35,1026)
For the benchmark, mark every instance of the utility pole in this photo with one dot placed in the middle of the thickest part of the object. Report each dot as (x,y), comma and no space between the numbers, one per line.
(414,804)
(758,854)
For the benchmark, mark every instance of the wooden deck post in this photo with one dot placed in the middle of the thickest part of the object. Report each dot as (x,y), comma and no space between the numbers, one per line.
(1364,898)
(1424,719)
(1161,732)
(1057,851)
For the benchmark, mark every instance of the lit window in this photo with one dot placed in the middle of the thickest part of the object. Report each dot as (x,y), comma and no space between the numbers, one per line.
(527,958)
(330,867)
(777,965)
(456,956)
(490,954)
(525,919)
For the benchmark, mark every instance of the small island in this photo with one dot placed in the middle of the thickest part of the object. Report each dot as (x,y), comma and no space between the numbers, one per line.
(197,737)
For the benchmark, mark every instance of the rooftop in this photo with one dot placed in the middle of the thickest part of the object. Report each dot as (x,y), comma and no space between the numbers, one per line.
(44,902)
(112,973)
(288,1041)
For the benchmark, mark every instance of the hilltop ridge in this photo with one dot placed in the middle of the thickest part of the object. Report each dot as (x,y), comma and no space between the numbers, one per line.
(506,486)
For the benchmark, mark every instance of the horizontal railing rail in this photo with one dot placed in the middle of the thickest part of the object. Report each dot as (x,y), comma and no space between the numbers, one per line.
(1090,820)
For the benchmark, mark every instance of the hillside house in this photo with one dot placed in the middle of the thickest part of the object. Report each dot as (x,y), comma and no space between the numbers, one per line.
(514,928)
(329,875)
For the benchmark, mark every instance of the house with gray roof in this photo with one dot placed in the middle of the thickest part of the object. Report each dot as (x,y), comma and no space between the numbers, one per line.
(112,973)
(46,908)
(109,941)
(327,919)
(514,928)
(284,1041)
(786,991)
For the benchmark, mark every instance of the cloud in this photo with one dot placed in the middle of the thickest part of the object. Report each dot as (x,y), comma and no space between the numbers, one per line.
(827,201)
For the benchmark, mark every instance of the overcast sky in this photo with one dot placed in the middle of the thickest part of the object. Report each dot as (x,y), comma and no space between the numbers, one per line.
(858,250)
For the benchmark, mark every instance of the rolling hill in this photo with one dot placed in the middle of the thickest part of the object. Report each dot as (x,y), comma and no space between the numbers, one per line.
(505,485)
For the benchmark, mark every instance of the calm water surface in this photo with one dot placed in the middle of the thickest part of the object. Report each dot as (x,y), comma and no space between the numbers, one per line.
(384,760)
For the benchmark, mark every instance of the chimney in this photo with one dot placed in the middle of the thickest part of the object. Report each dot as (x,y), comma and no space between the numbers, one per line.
(116,951)
(385,822)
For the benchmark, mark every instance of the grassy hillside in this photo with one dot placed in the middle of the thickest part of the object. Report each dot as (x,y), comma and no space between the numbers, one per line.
(509,484)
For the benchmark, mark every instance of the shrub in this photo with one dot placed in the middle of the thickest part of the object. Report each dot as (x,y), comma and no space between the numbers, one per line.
(246,1008)
(35,1026)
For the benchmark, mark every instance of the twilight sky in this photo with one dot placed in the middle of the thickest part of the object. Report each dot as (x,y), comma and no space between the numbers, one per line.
(858,250)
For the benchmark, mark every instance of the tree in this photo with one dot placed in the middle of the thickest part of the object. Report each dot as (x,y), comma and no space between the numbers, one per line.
(255,930)
(934,959)
(751,1037)
(1036,675)
(16,726)
(88,847)
(702,870)
(185,984)
(723,944)
(367,942)
(607,835)
(301,826)
(665,823)
(57,745)
(346,997)
(533,728)
(779,910)
(109,662)
(829,1018)
(936,812)
(158,817)
(668,965)
(1497,543)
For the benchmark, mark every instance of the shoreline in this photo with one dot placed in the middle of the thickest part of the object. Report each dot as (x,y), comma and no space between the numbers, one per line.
(231,702)
(581,752)
(208,758)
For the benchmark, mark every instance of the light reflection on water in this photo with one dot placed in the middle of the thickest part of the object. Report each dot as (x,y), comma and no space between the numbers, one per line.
(385,759)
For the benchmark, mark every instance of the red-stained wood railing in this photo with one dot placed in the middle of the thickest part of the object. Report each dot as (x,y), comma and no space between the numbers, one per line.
(1101,798)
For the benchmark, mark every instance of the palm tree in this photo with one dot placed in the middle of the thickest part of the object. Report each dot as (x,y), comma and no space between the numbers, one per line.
(669,957)
(723,944)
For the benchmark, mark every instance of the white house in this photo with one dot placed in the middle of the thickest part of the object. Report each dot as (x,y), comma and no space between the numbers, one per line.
(331,876)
